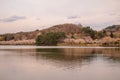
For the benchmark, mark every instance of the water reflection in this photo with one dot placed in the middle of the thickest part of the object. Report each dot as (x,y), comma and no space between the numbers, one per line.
(60,64)
(79,56)
(69,56)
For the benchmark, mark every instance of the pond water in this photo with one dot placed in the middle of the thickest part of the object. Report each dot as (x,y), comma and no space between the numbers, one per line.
(59,63)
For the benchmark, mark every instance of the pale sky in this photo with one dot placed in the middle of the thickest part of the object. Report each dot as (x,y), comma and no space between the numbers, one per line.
(28,15)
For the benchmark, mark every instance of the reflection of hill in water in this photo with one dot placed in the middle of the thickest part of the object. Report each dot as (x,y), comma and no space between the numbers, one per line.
(69,54)
(68,57)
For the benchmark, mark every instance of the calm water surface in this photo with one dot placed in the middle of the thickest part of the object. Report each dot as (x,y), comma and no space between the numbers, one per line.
(59,63)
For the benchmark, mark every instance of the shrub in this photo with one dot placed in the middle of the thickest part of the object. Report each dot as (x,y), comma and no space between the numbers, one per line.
(101,34)
(111,34)
(90,31)
(51,38)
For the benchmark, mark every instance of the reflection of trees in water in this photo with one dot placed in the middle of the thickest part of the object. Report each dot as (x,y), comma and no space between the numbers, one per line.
(112,54)
(64,57)
(64,54)
(69,57)
(79,54)
(72,57)
(69,54)
(19,52)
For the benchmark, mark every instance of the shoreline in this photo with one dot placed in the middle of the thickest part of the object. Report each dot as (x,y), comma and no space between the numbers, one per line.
(48,47)
(73,43)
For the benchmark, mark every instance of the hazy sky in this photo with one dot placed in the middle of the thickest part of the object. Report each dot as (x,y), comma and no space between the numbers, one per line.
(28,15)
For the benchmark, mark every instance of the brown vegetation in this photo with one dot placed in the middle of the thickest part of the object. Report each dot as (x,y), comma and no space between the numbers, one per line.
(75,34)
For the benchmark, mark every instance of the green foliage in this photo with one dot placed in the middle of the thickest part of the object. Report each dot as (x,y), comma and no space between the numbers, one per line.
(101,34)
(90,31)
(51,38)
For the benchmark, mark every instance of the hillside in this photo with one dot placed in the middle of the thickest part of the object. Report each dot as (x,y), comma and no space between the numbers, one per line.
(75,34)
(115,29)
(19,36)
(69,29)
(66,28)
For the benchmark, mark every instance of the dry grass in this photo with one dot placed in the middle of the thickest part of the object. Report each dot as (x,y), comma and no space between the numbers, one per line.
(19,42)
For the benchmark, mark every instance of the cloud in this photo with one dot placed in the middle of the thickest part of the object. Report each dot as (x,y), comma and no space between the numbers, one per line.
(13,18)
(73,17)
